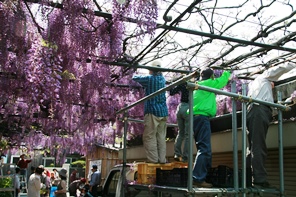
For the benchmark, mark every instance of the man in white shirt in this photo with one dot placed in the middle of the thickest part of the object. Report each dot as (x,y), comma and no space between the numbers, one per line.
(258,118)
(34,183)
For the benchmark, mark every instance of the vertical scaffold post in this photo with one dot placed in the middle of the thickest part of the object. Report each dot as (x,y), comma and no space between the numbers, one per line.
(123,174)
(281,151)
(244,138)
(190,159)
(234,139)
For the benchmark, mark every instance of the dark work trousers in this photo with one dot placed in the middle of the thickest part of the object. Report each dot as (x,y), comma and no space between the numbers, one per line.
(258,119)
(202,136)
(183,124)
(94,191)
(16,193)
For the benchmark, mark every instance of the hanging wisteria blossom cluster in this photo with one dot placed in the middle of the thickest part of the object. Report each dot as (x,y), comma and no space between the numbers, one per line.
(56,91)
(60,83)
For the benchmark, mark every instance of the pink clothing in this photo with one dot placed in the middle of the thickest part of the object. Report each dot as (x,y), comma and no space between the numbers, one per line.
(34,185)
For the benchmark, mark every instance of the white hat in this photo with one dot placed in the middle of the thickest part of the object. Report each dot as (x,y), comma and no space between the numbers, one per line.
(156,63)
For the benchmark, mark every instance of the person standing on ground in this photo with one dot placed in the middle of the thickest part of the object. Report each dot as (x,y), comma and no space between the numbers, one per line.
(56,173)
(155,115)
(34,183)
(62,186)
(204,107)
(45,190)
(73,176)
(259,117)
(183,123)
(32,170)
(95,180)
(17,183)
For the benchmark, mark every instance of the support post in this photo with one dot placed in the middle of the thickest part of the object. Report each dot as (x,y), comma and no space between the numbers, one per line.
(281,149)
(244,138)
(190,159)
(234,139)
(123,174)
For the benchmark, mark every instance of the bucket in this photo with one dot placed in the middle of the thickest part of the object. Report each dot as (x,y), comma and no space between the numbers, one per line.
(52,190)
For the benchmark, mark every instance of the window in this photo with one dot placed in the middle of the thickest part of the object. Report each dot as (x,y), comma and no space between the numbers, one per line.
(68,160)
(14,159)
(111,186)
(48,161)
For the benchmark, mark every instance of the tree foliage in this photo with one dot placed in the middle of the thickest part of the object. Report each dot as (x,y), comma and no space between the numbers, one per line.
(66,67)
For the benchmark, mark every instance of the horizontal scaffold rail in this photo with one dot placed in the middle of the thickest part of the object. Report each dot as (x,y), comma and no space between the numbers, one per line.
(237,96)
(198,191)
(197,86)
(178,82)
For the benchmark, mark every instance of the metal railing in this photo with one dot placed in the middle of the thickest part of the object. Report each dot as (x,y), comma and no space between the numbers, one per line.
(245,99)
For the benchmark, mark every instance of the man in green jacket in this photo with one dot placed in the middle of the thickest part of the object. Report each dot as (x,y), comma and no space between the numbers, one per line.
(204,107)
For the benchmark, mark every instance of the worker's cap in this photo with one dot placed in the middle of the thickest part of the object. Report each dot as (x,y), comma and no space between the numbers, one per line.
(83,180)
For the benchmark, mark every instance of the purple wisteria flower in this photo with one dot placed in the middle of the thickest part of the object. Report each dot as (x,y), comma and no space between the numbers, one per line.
(293,97)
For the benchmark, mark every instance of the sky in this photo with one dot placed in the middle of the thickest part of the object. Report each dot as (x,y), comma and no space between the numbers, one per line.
(227,15)
(244,31)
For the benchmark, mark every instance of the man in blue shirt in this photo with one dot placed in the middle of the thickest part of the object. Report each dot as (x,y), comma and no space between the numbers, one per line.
(155,115)
(95,180)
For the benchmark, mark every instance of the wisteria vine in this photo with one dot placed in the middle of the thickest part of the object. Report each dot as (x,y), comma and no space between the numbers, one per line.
(57,91)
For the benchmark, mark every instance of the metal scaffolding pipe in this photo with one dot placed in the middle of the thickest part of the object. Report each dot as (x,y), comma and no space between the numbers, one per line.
(190,153)
(123,176)
(236,190)
(178,29)
(281,148)
(244,139)
(162,69)
(196,86)
(197,191)
(142,121)
(238,96)
(234,140)
(219,37)
(180,81)
(177,20)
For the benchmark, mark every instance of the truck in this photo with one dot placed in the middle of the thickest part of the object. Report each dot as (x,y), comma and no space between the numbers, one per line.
(172,183)
(125,180)
(135,184)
